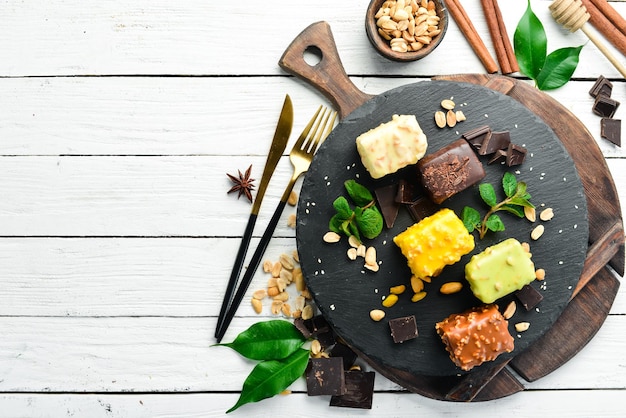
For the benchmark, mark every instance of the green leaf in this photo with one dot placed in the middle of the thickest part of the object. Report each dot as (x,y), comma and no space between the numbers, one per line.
(352,229)
(358,193)
(530,44)
(335,224)
(494,223)
(470,218)
(558,68)
(342,207)
(509,184)
(369,222)
(270,340)
(488,194)
(520,190)
(271,377)
(514,209)
(520,201)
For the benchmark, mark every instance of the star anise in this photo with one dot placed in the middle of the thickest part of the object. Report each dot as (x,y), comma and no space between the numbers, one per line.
(243,184)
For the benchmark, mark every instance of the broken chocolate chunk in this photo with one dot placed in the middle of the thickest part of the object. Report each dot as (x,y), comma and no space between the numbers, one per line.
(359,391)
(602,86)
(529,297)
(312,327)
(477,136)
(326,338)
(345,352)
(386,197)
(499,155)
(325,376)
(403,329)
(406,192)
(422,208)
(494,142)
(611,129)
(605,106)
(450,170)
(515,155)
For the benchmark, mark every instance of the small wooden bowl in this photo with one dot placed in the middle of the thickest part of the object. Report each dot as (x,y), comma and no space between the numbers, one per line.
(383,46)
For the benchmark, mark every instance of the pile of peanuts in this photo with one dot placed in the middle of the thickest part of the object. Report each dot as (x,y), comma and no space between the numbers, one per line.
(408,25)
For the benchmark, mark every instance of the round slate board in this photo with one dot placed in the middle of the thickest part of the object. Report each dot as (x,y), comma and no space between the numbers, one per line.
(345,292)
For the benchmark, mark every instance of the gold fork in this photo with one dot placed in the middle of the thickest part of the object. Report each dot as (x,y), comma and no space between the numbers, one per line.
(301,156)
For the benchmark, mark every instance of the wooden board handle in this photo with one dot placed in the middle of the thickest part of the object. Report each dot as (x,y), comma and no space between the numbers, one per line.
(328,75)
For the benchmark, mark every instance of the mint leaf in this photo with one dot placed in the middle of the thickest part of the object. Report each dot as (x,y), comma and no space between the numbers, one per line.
(515,210)
(509,184)
(369,222)
(494,223)
(270,340)
(530,44)
(470,218)
(342,207)
(358,193)
(558,68)
(488,194)
(271,377)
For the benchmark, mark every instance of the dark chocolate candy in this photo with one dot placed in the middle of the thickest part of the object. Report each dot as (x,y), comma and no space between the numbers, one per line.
(602,86)
(312,327)
(386,197)
(326,338)
(477,136)
(325,376)
(494,142)
(450,170)
(611,129)
(406,192)
(499,155)
(359,391)
(403,329)
(422,208)
(345,352)
(515,155)
(529,297)
(605,106)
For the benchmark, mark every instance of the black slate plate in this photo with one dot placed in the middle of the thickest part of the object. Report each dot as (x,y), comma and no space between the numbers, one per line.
(345,292)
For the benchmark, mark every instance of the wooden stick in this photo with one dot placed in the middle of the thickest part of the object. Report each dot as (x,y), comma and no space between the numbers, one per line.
(458,14)
(496,36)
(605,27)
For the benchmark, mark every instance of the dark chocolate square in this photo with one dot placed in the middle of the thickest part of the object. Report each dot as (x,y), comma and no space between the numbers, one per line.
(325,376)
(406,193)
(515,155)
(359,391)
(605,106)
(494,142)
(477,136)
(345,352)
(386,197)
(422,208)
(602,86)
(611,129)
(403,329)
(529,297)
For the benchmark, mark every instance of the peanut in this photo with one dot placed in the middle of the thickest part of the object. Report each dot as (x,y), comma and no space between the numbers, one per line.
(390,300)
(377,314)
(451,287)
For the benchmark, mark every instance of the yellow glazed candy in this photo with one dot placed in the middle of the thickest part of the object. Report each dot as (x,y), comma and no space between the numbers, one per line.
(434,242)
(499,270)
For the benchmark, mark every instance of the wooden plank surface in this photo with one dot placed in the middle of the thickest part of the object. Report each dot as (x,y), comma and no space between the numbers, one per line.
(118,122)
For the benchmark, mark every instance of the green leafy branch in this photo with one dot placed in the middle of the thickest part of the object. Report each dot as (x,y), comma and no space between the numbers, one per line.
(517,198)
(277,344)
(549,71)
(365,219)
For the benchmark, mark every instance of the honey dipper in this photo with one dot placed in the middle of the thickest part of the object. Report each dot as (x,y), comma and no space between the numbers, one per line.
(573,15)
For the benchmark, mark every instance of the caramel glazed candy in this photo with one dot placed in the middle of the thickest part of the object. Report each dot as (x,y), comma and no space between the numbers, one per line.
(473,337)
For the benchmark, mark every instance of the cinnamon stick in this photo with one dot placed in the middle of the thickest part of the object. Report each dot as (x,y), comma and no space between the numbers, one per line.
(602,23)
(610,13)
(510,52)
(496,36)
(469,31)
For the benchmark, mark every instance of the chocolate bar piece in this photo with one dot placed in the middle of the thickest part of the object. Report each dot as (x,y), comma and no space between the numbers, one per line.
(345,352)
(602,86)
(406,192)
(475,336)
(529,297)
(422,208)
(477,136)
(605,106)
(312,327)
(494,142)
(386,197)
(403,329)
(611,129)
(450,170)
(359,391)
(499,155)
(325,376)
(515,155)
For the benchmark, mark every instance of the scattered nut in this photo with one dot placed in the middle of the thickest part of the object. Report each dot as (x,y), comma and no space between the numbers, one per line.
(276,307)
(286,309)
(510,310)
(361,250)
(352,253)
(331,237)
(377,314)
(451,287)
(282,296)
(370,255)
(286,261)
(353,241)
(537,232)
(440,119)
(272,291)
(450,118)
(418,296)
(291,221)
(372,267)
(267,266)
(276,268)
(417,285)
(460,116)
(390,300)
(522,326)
(540,274)
(307,312)
(316,347)
(546,214)
(293,198)
(259,294)
(530,213)
(397,290)
(299,303)
(447,104)
(257,305)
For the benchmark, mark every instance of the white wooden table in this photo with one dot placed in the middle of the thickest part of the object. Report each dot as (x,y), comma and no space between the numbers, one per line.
(118,123)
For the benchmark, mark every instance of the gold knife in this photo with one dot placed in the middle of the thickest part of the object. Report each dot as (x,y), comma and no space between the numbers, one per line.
(281,137)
